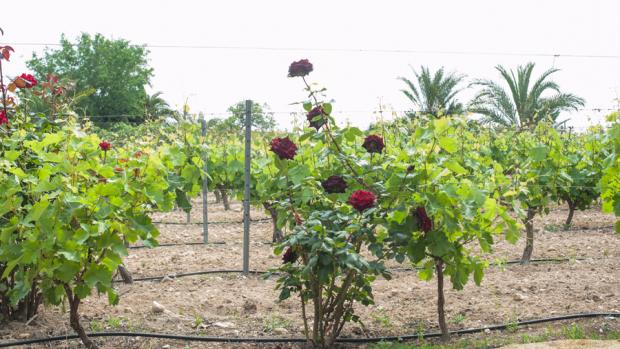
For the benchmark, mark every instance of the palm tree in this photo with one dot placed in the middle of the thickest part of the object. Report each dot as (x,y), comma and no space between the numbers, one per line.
(155,106)
(435,94)
(522,106)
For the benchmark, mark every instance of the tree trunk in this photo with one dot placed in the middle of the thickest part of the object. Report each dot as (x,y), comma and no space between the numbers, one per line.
(125,274)
(218,196)
(445,334)
(571,212)
(225,199)
(74,319)
(278,235)
(529,240)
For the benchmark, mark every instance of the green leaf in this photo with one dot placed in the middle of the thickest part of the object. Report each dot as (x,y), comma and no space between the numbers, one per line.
(539,153)
(448,144)
(182,200)
(426,274)
(455,167)
(12,155)
(37,210)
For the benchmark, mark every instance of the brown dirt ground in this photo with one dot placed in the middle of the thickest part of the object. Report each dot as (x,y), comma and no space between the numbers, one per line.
(198,305)
(567,344)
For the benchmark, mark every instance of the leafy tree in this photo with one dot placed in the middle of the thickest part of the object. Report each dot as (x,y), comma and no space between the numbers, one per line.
(523,105)
(117,70)
(155,106)
(435,94)
(262,119)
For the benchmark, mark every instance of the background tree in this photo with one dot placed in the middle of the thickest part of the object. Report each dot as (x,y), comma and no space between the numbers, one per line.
(116,70)
(155,106)
(435,94)
(522,106)
(262,118)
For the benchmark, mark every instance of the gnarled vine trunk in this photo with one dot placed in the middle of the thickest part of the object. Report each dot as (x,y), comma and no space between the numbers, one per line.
(218,196)
(571,212)
(441,301)
(125,274)
(224,195)
(74,319)
(529,239)
(26,308)
(277,235)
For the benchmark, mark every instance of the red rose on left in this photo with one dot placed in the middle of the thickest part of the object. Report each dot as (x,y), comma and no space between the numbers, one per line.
(29,79)
(3,118)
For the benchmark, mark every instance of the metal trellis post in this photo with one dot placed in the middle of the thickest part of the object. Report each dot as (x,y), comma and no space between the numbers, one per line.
(246,193)
(205,184)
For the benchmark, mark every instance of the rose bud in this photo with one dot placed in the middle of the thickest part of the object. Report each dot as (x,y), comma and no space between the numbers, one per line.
(334,184)
(373,144)
(362,200)
(299,68)
(289,256)
(284,148)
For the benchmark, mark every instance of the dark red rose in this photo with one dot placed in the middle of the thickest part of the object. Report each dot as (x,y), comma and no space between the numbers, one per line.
(284,148)
(289,256)
(138,154)
(316,111)
(410,168)
(299,68)
(362,200)
(424,221)
(3,118)
(118,169)
(105,146)
(29,79)
(334,184)
(373,144)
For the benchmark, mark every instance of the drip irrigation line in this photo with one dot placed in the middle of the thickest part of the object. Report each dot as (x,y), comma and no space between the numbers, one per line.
(175,244)
(425,335)
(135,247)
(262,272)
(196,273)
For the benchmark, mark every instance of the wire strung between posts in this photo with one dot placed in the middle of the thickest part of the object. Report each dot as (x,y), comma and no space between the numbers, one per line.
(350,50)
(176,244)
(401,338)
(261,272)
(214,222)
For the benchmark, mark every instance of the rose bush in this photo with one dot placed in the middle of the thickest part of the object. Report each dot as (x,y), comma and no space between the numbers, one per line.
(424,199)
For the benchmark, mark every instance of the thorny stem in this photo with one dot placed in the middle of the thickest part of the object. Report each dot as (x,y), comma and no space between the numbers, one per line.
(331,137)
(3,90)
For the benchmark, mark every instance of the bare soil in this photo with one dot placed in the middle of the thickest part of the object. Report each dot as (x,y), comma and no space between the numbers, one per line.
(233,305)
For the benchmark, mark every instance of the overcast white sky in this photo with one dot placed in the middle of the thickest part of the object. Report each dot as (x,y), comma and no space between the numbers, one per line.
(213,79)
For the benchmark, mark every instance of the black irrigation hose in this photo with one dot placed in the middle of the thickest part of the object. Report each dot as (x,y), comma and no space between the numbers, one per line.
(134,247)
(425,335)
(259,272)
